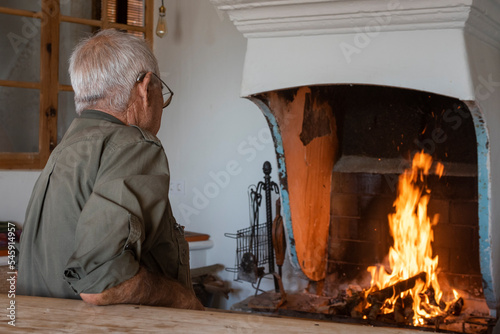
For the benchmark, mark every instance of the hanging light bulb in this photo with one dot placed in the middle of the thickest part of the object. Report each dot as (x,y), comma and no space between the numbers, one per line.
(161,27)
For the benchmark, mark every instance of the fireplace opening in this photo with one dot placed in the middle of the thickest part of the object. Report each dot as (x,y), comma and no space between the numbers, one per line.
(343,148)
(381,129)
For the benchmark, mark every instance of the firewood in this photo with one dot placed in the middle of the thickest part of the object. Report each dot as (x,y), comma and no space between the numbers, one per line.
(456,308)
(338,308)
(431,295)
(374,310)
(357,311)
(408,308)
(403,310)
(395,289)
(399,315)
(355,304)
(426,307)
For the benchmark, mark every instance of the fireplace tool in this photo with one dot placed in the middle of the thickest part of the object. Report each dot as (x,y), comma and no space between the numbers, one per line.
(248,269)
(279,239)
(251,244)
(254,245)
(268,186)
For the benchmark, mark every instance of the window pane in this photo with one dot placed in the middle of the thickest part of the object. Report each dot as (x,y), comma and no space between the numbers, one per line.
(19,119)
(129,12)
(20,48)
(82,8)
(70,35)
(22,4)
(66,113)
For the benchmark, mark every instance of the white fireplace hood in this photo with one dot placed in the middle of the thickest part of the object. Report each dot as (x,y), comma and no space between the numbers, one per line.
(401,43)
(448,47)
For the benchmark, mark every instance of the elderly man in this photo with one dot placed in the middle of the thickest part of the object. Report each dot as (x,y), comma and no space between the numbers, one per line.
(99,224)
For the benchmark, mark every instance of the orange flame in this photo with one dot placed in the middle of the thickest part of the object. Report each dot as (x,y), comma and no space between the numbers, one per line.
(411,253)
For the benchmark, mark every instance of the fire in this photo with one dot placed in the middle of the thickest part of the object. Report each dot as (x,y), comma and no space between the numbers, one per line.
(410,257)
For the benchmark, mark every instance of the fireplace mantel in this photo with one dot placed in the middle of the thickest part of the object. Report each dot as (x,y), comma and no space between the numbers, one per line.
(447,47)
(278,18)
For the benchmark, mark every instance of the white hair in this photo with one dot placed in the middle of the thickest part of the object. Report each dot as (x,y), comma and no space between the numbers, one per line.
(104,68)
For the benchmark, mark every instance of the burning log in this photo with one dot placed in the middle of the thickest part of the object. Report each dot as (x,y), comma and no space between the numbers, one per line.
(408,308)
(431,295)
(355,305)
(374,310)
(379,297)
(456,308)
(399,316)
(403,310)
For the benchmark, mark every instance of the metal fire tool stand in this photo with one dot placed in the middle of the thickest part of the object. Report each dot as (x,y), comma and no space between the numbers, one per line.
(251,252)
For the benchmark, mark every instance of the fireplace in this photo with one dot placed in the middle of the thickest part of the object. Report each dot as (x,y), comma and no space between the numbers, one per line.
(351,90)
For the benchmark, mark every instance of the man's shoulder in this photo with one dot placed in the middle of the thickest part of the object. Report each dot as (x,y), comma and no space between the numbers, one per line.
(130,134)
(112,133)
(146,135)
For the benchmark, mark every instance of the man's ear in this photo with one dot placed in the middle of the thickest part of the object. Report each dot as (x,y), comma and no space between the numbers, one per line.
(143,87)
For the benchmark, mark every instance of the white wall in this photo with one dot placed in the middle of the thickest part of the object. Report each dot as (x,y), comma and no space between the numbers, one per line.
(15,188)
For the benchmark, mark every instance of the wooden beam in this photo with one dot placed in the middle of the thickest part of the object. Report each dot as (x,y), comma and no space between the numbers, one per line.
(20,84)
(149,22)
(49,78)
(20,12)
(19,161)
(79,20)
(66,88)
(104,13)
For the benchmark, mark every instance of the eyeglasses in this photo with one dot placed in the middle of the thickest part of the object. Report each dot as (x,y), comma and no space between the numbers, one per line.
(165,90)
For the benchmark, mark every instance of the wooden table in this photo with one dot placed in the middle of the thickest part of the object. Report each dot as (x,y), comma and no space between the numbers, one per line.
(52,315)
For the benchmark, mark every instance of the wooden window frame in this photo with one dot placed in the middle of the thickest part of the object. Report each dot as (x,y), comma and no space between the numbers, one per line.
(48,85)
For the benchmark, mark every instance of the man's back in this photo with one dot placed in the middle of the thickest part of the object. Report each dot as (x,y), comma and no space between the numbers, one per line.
(98,210)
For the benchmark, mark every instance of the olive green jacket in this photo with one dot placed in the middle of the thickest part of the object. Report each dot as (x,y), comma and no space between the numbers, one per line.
(99,209)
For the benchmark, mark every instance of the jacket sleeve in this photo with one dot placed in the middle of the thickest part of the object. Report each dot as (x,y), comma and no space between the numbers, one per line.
(127,207)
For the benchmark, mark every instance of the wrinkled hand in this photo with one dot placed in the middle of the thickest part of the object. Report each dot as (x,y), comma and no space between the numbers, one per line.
(147,289)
